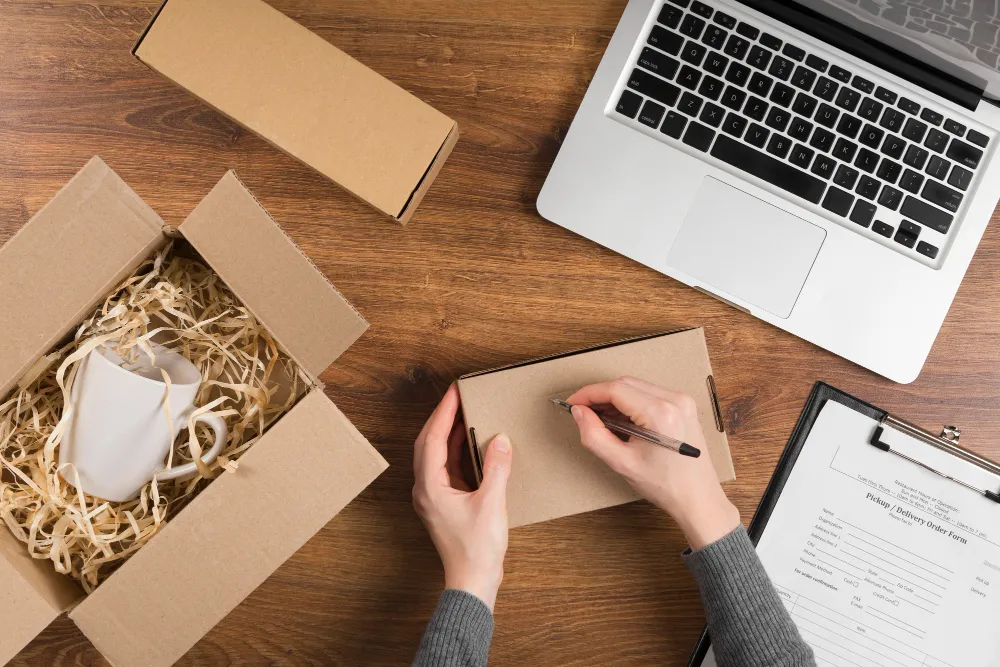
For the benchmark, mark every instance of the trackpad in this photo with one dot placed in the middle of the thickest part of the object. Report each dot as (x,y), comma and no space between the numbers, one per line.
(746,247)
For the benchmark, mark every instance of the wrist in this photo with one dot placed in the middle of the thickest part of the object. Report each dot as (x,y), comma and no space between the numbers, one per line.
(484,586)
(708,521)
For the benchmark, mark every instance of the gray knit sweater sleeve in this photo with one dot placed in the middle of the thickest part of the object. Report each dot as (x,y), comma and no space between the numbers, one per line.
(749,624)
(459,633)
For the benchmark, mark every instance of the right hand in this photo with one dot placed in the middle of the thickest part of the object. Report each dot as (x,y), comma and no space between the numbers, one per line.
(686,488)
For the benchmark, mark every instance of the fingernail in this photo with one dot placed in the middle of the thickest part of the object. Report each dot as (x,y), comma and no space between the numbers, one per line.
(576,412)
(502,443)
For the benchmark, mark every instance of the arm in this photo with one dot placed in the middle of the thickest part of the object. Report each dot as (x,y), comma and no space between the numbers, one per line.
(469,531)
(750,626)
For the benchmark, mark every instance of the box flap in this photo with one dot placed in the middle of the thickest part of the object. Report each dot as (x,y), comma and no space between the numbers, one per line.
(65,259)
(268,272)
(553,474)
(301,93)
(232,536)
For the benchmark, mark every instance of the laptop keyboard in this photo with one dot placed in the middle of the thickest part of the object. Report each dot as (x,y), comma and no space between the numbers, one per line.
(867,155)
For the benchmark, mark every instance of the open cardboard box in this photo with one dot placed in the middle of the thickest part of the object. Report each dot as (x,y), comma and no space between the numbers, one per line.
(242,526)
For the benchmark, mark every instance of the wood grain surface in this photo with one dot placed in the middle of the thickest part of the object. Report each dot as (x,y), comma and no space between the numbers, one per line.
(476,280)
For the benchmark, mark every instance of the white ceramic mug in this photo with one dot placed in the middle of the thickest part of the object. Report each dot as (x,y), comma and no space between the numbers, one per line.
(118,436)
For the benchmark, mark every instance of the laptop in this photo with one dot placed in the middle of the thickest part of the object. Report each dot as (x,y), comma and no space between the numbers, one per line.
(824,165)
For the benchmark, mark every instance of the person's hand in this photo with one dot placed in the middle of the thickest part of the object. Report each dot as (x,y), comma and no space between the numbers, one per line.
(468,528)
(686,488)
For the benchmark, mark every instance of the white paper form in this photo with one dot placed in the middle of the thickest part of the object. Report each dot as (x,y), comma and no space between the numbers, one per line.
(881,562)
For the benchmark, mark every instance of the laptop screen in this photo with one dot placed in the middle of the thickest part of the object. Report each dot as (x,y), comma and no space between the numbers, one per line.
(959,37)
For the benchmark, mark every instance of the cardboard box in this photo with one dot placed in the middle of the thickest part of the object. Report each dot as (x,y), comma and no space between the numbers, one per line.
(553,474)
(242,526)
(302,94)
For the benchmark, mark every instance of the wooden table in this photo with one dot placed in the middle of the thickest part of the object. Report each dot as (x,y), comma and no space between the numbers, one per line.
(476,280)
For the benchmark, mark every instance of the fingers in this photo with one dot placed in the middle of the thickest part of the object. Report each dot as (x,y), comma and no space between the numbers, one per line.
(496,468)
(629,400)
(601,442)
(679,399)
(430,451)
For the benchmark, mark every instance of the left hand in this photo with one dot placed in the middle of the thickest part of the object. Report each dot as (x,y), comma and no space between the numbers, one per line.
(468,528)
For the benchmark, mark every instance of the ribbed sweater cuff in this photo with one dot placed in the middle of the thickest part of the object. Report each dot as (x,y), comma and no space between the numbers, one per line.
(459,633)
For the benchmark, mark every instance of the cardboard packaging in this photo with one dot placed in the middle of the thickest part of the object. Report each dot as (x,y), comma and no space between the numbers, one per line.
(302,94)
(243,525)
(553,475)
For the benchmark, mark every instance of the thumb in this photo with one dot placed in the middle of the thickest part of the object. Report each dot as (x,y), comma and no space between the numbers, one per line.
(496,466)
(601,442)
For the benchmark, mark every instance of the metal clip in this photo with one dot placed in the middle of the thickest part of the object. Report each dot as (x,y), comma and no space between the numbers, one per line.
(951,433)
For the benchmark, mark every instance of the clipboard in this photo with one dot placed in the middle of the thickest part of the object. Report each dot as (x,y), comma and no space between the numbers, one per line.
(947,441)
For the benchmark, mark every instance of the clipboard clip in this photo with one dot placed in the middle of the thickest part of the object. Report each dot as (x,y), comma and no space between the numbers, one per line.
(946,442)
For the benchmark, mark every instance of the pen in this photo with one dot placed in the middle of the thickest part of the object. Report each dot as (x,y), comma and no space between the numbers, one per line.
(628,428)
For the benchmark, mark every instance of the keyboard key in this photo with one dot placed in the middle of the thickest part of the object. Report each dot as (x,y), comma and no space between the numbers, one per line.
(893,146)
(882,228)
(670,16)
(960,178)
(738,74)
(890,197)
(936,140)
(701,9)
(954,127)
(689,77)
(734,124)
(698,136)
(926,215)
(770,41)
(714,37)
(692,26)
(871,136)
(757,135)
(931,116)
(849,125)
(823,166)
(964,154)
(794,52)
(777,119)
(942,195)
(653,86)
(779,145)
(769,169)
(801,156)
(888,170)
(725,20)
(803,78)
(846,176)
(867,160)
(681,3)
(978,138)
(628,104)
(665,40)
(911,181)
(673,125)
(926,249)
(711,88)
(782,94)
(868,187)
(781,68)
(844,150)
(892,120)
(822,140)
(938,167)
(848,99)
(693,53)
(838,201)
(736,47)
(800,129)
(690,104)
(733,98)
(760,84)
(827,115)
(870,110)
(651,114)
(886,95)
(915,157)
(715,63)
(840,73)
(816,62)
(826,89)
(712,114)
(907,234)
(863,84)
(755,108)
(655,61)
(863,213)
(914,130)
(804,105)
(759,57)
(908,105)
(747,30)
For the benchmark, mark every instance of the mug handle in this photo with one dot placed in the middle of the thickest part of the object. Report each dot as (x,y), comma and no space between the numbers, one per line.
(217,424)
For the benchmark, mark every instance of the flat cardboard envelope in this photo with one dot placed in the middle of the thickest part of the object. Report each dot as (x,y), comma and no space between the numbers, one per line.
(553,475)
